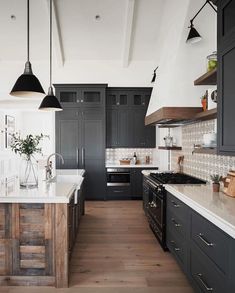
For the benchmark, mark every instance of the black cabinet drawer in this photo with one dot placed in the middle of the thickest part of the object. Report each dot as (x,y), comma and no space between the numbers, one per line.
(176,224)
(177,246)
(118,192)
(205,275)
(177,206)
(211,240)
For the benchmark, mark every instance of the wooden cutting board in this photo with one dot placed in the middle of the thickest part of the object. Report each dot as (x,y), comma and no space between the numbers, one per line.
(229,184)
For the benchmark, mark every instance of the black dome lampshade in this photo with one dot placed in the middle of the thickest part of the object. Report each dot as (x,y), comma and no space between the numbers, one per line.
(193,36)
(27,85)
(50,102)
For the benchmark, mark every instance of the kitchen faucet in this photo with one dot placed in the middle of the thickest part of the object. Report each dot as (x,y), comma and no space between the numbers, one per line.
(48,166)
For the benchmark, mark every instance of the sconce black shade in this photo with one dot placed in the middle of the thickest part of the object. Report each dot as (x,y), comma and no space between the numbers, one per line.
(27,84)
(154,77)
(50,102)
(193,36)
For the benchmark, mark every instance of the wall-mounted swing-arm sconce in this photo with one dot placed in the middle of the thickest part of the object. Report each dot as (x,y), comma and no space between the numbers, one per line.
(194,36)
(154,74)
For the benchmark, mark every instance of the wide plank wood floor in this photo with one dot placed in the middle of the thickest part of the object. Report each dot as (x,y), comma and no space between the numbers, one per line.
(117,252)
(116,248)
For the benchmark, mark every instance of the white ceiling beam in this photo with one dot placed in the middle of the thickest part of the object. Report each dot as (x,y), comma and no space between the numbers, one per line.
(56,35)
(128,32)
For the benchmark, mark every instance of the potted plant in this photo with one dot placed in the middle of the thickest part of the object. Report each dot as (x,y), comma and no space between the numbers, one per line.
(27,148)
(216,182)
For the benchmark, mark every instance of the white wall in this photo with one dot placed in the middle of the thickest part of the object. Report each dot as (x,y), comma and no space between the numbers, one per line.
(180,63)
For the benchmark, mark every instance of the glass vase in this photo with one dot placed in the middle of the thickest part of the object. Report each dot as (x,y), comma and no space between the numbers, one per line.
(28,173)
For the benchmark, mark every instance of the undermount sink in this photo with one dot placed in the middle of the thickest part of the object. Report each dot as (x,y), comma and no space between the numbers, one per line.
(75,179)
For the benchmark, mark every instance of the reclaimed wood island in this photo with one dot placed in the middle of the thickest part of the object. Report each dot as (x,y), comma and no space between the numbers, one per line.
(38,228)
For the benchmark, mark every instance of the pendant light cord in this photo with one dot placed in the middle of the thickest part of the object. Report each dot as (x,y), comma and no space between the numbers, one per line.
(50,43)
(28,40)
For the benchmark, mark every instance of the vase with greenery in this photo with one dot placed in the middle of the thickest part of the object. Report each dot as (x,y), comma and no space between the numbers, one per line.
(216,182)
(27,148)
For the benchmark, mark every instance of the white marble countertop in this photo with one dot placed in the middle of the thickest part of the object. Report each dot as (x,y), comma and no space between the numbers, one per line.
(214,206)
(116,165)
(58,190)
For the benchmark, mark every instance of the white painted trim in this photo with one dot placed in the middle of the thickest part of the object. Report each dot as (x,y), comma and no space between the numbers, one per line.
(128,32)
(56,35)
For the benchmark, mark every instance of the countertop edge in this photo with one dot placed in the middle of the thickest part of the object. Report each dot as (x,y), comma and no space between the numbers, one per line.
(210,216)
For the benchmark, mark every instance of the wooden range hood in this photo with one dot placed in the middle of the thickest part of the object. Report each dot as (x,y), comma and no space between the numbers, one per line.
(172,115)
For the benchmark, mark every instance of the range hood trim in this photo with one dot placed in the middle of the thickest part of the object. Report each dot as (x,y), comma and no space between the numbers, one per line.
(172,115)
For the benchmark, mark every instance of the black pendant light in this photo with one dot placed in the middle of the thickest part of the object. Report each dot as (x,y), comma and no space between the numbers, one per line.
(27,85)
(50,102)
(194,36)
(154,75)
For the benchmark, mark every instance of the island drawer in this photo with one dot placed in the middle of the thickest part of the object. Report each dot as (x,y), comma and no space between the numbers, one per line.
(177,246)
(118,192)
(176,224)
(205,275)
(177,206)
(211,240)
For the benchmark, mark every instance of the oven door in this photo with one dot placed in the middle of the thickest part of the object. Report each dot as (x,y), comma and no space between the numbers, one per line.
(118,178)
(156,208)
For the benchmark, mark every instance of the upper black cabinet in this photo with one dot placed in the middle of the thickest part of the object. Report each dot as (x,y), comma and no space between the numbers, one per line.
(226,69)
(126,110)
(81,95)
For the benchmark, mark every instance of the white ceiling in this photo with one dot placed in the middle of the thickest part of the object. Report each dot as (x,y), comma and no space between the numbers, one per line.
(82,37)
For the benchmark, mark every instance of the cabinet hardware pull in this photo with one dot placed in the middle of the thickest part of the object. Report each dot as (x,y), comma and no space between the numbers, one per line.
(118,191)
(175,223)
(204,283)
(175,247)
(78,158)
(202,238)
(83,157)
(175,204)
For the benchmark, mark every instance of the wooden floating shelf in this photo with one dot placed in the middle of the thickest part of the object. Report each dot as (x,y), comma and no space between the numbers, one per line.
(209,78)
(174,148)
(206,115)
(210,151)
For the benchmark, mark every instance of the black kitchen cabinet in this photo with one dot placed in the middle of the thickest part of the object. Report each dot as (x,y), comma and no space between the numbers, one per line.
(80,138)
(68,138)
(136,183)
(81,95)
(225,77)
(126,110)
(118,128)
(204,252)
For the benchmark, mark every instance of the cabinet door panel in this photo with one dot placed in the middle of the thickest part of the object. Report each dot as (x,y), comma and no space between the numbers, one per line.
(226,103)
(68,134)
(124,133)
(139,132)
(93,144)
(112,128)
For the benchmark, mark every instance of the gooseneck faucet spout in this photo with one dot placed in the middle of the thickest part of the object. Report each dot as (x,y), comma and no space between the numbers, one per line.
(49,165)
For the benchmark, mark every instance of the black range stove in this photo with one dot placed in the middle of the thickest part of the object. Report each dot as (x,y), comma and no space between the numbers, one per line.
(155,199)
(175,178)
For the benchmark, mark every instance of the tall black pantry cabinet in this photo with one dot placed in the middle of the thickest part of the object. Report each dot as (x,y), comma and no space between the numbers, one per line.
(226,77)
(80,133)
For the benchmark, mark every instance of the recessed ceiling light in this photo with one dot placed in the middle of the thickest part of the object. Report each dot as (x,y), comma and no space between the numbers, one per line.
(97,17)
(13,17)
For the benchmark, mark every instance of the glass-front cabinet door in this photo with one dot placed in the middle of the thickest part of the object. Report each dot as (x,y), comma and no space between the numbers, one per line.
(92,97)
(117,98)
(140,99)
(68,97)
